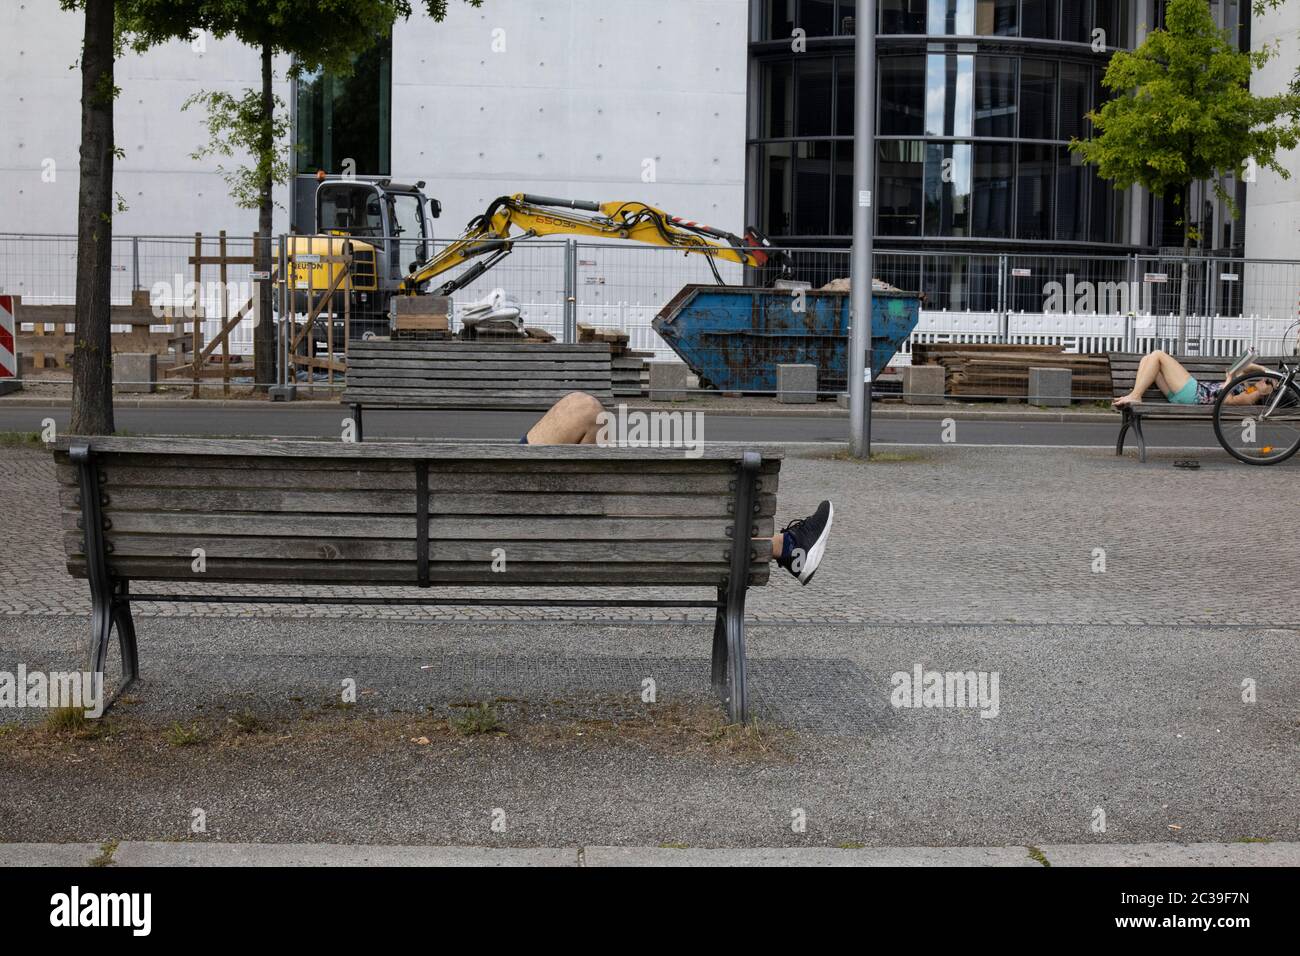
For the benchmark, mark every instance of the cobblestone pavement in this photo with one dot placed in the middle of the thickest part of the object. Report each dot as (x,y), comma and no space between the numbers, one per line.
(944,535)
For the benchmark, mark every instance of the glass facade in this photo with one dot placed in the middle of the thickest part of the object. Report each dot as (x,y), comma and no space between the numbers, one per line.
(341,118)
(977,101)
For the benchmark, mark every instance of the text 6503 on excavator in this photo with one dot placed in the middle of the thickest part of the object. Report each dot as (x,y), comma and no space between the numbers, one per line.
(388,227)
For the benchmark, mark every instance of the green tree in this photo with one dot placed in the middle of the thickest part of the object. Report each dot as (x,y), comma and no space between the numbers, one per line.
(318,34)
(110,25)
(1183,113)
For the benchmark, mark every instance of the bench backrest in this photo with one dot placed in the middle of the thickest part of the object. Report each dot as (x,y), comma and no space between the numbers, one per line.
(1124,365)
(317,512)
(474,374)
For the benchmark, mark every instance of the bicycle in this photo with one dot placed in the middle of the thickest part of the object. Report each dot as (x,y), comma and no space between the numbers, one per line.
(1267,432)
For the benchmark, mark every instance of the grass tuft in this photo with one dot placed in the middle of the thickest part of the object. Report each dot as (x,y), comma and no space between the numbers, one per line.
(480,718)
(179,736)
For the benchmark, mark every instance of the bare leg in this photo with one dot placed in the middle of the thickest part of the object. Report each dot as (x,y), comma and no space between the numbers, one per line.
(1156,368)
(570,421)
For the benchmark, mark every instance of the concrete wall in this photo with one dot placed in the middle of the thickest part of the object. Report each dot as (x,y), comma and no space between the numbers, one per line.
(1273,203)
(167,192)
(583,93)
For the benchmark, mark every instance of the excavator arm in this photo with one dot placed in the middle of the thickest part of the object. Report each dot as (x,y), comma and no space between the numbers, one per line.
(522,216)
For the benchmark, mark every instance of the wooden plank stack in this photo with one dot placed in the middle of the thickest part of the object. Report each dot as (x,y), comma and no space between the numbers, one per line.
(1002,371)
(631,375)
(473,375)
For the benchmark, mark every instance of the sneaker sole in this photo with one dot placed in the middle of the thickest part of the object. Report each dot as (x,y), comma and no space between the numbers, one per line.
(815,553)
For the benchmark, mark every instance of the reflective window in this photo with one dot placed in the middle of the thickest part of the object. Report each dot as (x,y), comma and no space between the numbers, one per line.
(903,16)
(777,172)
(947,189)
(1071,212)
(899,175)
(951,18)
(778,93)
(996,18)
(902,95)
(1112,16)
(843,225)
(812,191)
(844,95)
(343,118)
(991,196)
(1075,83)
(1037,99)
(1038,19)
(813,96)
(1034,192)
(1076,21)
(995,96)
(949,82)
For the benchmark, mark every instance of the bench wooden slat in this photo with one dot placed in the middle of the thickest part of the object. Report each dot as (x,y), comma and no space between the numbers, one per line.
(392,549)
(276,500)
(394,573)
(489,527)
(503,455)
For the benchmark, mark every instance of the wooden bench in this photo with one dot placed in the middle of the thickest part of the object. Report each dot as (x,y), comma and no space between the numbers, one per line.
(1123,373)
(315,513)
(472,375)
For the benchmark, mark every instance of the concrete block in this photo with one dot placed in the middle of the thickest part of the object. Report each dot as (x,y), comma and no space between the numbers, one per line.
(135,371)
(1050,386)
(842,399)
(923,384)
(667,381)
(796,384)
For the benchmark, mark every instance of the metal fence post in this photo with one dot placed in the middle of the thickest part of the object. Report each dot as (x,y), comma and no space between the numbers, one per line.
(135,262)
(1002,299)
(570,291)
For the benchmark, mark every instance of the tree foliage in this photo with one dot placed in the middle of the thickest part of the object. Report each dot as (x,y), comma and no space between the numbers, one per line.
(1184,110)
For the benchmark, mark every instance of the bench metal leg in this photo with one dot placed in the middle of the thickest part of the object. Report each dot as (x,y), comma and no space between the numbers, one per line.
(718,677)
(1125,425)
(356,422)
(729,626)
(109,605)
(1142,440)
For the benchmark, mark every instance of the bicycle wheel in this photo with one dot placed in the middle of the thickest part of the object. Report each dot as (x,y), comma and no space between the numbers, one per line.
(1264,433)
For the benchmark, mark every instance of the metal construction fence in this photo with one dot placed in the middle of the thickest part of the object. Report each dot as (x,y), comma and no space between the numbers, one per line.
(1081,304)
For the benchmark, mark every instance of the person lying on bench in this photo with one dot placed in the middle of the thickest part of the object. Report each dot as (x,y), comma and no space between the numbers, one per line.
(1180,386)
(798,547)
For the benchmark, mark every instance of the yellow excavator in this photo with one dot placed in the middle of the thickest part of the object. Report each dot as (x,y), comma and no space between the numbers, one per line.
(384,222)
(510,219)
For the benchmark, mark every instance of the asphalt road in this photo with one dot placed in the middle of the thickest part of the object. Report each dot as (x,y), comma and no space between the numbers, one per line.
(326,422)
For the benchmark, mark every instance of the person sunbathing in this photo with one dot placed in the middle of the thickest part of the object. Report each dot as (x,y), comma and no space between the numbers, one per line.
(798,547)
(1181,387)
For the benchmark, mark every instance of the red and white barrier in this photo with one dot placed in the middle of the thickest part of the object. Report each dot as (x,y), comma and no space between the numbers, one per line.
(8,345)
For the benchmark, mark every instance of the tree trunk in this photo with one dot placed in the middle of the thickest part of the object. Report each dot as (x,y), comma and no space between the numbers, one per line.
(92,371)
(264,333)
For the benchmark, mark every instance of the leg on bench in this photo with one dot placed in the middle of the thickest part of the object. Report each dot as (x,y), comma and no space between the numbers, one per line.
(1125,425)
(356,422)
(126,638)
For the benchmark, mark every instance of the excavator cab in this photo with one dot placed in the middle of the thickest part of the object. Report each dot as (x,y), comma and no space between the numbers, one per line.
(395,218)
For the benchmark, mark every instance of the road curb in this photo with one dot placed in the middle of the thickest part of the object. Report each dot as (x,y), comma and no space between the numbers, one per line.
(171,853)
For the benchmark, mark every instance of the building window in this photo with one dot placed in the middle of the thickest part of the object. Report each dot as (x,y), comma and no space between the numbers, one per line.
(1037,99)
(995,96)
(899,186)
(1035,195)
(342,118)
(902,96)
(947,189)
(903,16)
(948,104)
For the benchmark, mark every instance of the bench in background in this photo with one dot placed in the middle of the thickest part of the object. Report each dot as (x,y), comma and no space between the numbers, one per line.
(1123,373)
(295,513)
(472,375)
